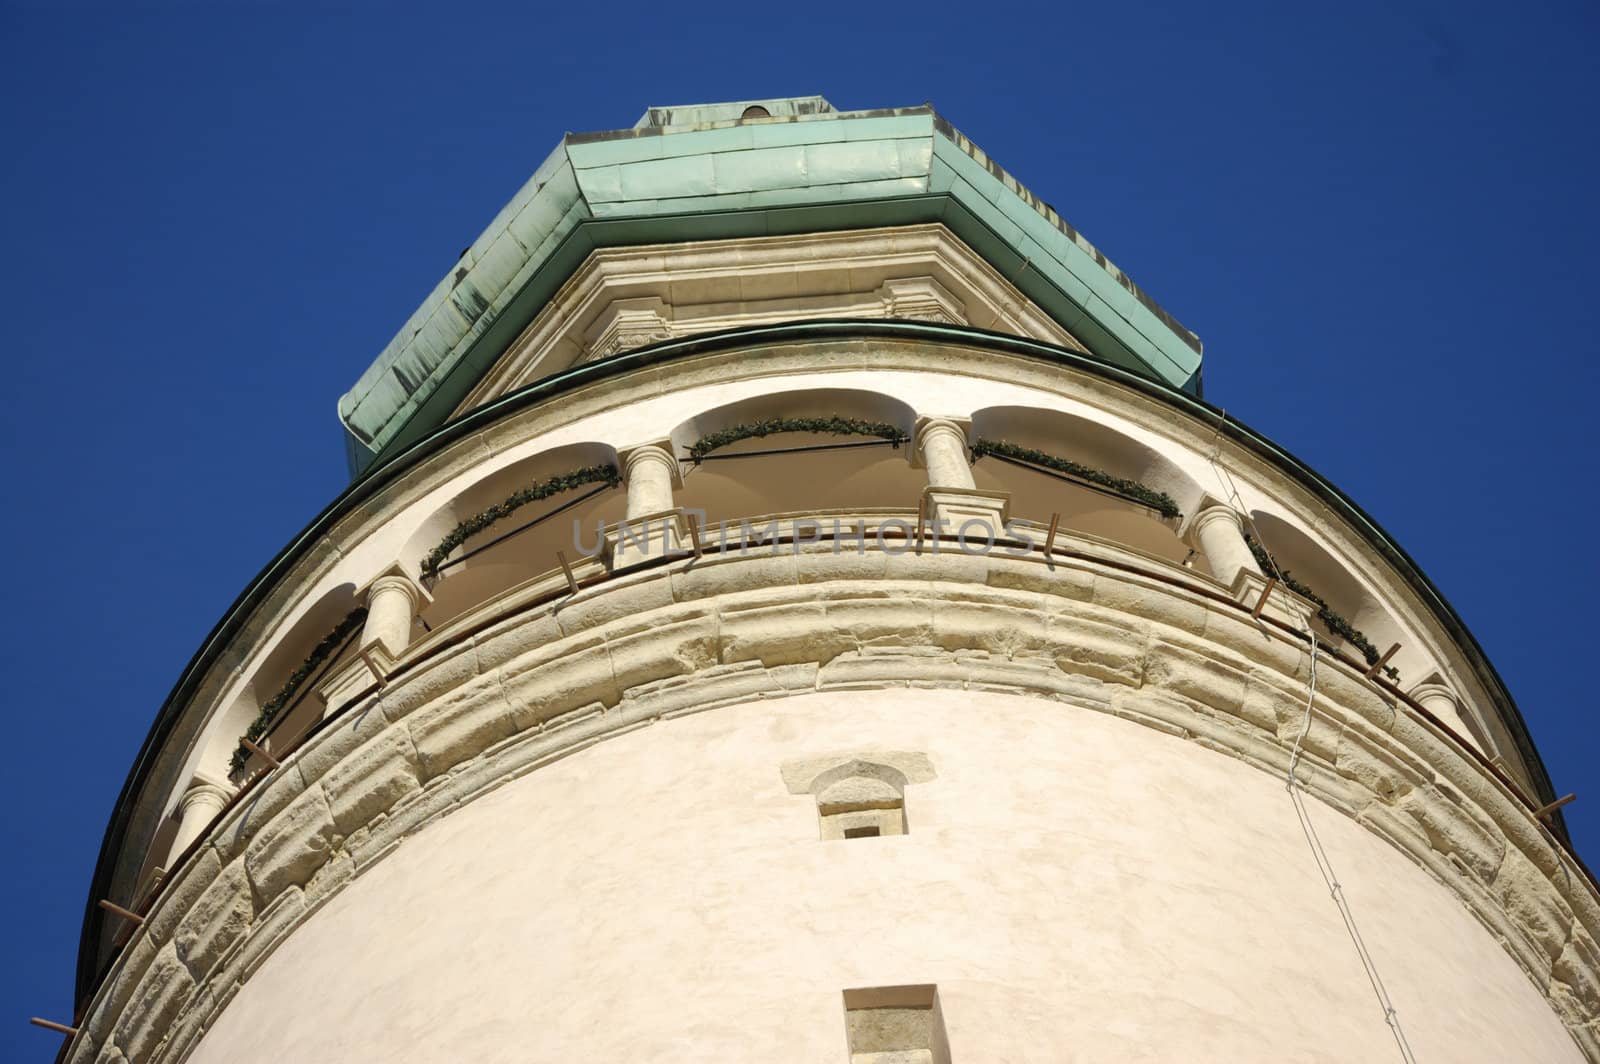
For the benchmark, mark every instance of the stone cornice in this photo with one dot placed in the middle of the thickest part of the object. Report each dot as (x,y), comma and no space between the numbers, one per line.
(717,284)
(463,715)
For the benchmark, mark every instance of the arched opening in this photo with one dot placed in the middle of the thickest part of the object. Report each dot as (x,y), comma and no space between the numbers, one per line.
(1352,619)
(280,700)
(800,471)
(1085,506)
(522,544)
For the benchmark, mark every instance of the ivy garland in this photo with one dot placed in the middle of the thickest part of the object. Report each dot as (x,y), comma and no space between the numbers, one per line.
(1325,613)
(1158,501)
(273,706)
(832,426)
(596,474)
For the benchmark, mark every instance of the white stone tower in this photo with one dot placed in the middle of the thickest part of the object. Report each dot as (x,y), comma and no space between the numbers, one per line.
(793,605)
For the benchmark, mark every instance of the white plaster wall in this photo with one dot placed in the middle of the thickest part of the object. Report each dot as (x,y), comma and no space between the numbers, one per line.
(1079,887)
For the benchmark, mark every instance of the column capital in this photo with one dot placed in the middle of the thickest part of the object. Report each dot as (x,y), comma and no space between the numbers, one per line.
(657,451)
(1217,531)
(929,429)
(1436,696)
(1215,511)
(202,791)
(393,602)
(198,806)
(1435,687)
(395,578)
(930,425)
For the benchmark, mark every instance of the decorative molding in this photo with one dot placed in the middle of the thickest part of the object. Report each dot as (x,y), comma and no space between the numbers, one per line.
(921,299)
(658,451)
(804,775)
(933,426)
(627,324)
(622,298)
(460,718)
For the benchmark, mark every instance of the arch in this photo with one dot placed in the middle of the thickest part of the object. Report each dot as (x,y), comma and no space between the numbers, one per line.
(808,402)
(1302,557)
(268,679)
(834,477)
(1035,496)
(489,561)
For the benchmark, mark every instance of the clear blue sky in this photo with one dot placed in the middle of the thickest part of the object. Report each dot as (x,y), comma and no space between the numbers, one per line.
(1380,218)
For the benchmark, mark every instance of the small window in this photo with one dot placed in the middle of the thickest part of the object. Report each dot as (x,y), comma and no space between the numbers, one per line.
(755,110)
(859,796)
(895,1025)
(863,818)
(861,800)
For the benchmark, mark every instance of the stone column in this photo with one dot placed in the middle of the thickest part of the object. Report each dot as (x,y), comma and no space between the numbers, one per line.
(1219,533)
(197,808)
(942,444)
(393,601)
(952,502)
(1442,702)
(650,472)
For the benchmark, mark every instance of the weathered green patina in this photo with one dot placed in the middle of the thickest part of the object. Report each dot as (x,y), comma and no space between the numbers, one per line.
(707,172)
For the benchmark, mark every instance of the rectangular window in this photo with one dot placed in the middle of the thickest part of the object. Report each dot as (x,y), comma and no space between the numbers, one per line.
(862,820)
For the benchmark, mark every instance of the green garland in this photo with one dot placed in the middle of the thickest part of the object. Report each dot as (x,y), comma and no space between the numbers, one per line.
(273,706)
(833,426)
(1158,501)
(1325,613)
(597,474)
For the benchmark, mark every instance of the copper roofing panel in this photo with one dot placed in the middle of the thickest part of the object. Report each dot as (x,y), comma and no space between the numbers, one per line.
(703,172)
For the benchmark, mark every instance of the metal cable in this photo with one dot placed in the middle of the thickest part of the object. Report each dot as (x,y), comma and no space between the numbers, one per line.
(1296,788)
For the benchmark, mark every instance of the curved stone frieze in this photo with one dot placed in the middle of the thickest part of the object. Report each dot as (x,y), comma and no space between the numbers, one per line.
(462,716)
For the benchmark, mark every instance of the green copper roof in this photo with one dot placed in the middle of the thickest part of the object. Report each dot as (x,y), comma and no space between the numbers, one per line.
(705,172)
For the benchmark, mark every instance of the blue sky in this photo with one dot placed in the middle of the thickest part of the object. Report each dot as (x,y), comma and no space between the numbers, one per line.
(1380,218)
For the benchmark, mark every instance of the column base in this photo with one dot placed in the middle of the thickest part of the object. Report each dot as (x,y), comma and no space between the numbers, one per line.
(642,539)
(969,507)
(1282,605)
(356,679)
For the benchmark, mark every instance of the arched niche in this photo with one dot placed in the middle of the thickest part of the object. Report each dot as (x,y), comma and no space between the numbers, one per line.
(822,477)
(1300,556)
(1036,496)
(500,557)
(269,677)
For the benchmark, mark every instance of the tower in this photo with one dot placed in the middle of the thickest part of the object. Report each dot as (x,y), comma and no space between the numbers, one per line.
(793,604)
